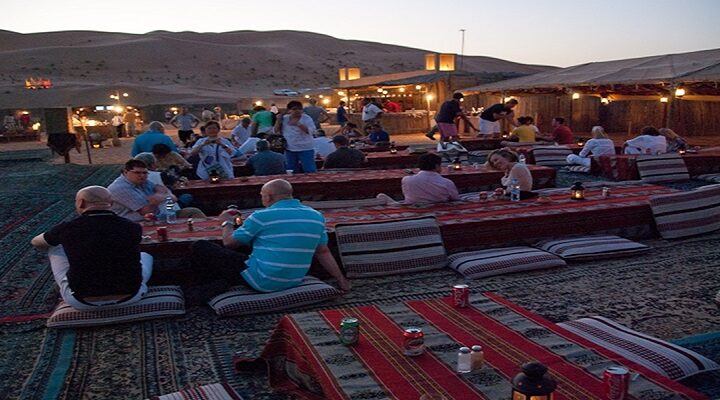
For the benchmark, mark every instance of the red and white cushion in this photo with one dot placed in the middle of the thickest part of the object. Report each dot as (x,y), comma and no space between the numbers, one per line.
(551,156)
(393,247)
(242,300)
(159,302)
(214,391)
(491,262)
(665,358)
(683,214)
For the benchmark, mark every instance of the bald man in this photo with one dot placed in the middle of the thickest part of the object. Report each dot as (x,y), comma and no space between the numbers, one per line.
(284,237)
(96,258)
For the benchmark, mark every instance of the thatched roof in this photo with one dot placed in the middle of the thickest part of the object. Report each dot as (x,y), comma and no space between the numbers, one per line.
(636,74)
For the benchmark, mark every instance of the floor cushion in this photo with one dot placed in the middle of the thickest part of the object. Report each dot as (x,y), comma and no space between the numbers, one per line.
(392,247)
(159,302)
(591,247)
(579,168)
(679,215)
(214,391)
(665,358)
(712,178)
(490,262)
(242,300)
(663,168)
(551,156)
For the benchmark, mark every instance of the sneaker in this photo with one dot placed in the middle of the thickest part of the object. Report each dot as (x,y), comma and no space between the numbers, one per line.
(430,135)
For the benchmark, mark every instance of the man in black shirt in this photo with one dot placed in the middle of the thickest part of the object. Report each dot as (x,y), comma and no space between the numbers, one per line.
(491,117)
(96,258)
(344,156)
(445,118)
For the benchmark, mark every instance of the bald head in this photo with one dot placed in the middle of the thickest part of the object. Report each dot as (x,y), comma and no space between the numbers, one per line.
(93,198)
(275,190)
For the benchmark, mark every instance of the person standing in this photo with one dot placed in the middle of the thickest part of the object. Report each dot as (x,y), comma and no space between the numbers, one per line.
(130,119)
(490,118)
(184,122)
(318,114)
(428,186)
(297,128)
(154,135)
(262,121)
(449,111)
(214,153)
(341,114)
(95,258)
(118,124)
(371,113)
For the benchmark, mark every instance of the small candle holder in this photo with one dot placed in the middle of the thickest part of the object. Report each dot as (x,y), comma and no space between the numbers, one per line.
(457,165)
(577,191)
(214,178)
(581,142)
(682,151)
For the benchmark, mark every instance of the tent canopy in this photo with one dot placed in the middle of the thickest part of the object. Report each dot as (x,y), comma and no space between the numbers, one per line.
(639,75)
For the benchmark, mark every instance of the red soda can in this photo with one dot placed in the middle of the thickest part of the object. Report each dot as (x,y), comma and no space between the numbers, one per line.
(149,218)
(461,295)
(617,383)
(162,233)
(482,196)
(413,342)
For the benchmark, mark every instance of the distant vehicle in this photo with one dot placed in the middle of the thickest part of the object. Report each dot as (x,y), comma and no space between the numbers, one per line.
(286,92)
(38,83)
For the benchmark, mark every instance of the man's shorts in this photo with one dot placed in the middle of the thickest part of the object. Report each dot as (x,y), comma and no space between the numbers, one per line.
(447,129)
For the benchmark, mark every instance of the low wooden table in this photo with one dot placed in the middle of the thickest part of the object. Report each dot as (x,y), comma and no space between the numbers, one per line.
(338,185)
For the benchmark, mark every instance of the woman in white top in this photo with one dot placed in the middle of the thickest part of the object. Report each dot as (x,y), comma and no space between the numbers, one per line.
(506,160)
(599,145)
(214,152)
(650,141)
(297,128)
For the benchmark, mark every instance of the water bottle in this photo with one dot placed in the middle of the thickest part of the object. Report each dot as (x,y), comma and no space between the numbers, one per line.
(521,159)
(170,215)
(514,190)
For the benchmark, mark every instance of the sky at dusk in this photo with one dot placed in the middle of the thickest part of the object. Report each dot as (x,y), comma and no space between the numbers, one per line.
(550,32)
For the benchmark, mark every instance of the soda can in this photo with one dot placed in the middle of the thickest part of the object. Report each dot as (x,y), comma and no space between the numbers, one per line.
(605,191)
(149,218)
(482,196)
(461,295)
(617,383)
(349,331)
(413,342)
(162,233)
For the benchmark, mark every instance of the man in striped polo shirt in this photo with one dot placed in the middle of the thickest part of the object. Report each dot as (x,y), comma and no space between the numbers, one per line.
(284,237)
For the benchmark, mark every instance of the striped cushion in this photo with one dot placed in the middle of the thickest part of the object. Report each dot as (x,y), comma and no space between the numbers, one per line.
(679,215)
(160,301)
(214,391)
(591,247)
(665,358)
(551,156)
(484,263)
(712,178)
(242,300)
(392,247)
(663,168)
(579,168)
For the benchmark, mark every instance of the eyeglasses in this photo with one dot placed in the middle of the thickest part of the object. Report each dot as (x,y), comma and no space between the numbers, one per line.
(139,172)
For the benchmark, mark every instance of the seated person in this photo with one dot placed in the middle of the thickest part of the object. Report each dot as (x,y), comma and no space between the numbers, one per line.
(525,132)
(428,186)
(561,134)
(674,142)
(506,160)
(344,156)
(265,161)
(241,132)
(323,145)
(350,130)
(95,258)
(650,141)
(154,175)
(166,158)
(249,146)
(599,145)
(284,236)
(134,196)
(378,135)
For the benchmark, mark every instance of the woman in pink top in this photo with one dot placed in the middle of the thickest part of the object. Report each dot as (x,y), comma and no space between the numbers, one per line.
(506,160)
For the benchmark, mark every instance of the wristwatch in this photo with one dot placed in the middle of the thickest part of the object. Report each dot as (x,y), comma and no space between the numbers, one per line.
(226,223)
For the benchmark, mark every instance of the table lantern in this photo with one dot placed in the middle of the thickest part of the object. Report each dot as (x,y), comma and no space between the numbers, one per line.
(393,149)
(214,177)
(581,142)
(577,191)
(682,151)
(505,135)
(457,165)
(532,384)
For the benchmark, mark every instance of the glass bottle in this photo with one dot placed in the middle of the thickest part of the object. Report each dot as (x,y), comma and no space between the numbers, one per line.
(170,215)
(463,361)
(514,190)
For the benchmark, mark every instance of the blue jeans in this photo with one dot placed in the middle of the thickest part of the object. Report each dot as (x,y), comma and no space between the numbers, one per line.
(301,161)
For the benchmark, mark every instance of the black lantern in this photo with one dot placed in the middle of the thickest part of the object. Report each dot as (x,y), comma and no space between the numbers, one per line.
(457,165)
(393,149)
(577,191)
(581,142)
(214,177)
(532,384)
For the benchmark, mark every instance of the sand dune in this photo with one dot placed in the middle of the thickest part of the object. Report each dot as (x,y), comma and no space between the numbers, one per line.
(175,67)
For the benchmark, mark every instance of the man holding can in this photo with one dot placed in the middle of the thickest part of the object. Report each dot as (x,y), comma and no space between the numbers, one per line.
(284,237)
(96,258)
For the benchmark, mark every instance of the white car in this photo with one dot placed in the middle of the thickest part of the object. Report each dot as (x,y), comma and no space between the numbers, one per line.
(286,92)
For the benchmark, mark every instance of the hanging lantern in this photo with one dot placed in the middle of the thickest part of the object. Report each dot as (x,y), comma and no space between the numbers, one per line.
(532,384)
(457,165)
(577,191)
(679,93)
